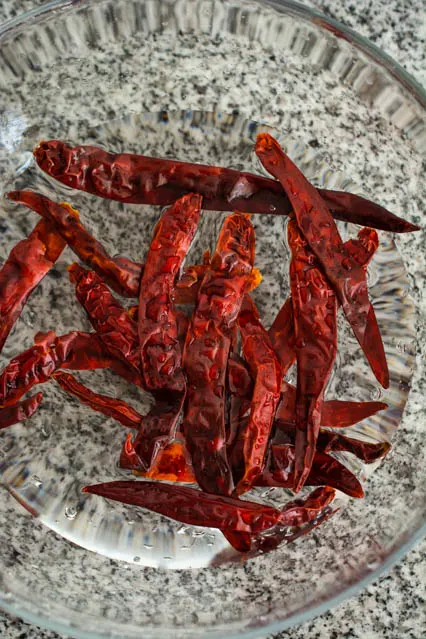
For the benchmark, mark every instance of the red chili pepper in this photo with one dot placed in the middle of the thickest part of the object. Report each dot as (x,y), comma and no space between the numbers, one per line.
(143,180)
(325,471)
(12,415)
(334,414)
(252,441)
(109,319)
(315,327)
(194,507)
(320,231)
(331,442)
(121,274)
(281,332)
(207,349)
(161,359)
(28,262)
(303,515)
(36,365)
(109,406)
(366,451)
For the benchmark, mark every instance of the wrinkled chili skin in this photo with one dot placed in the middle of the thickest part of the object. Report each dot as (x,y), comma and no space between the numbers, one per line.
(346,276)
(332,442)
(315,327)
(325,471)
(368,452)
(36,365)
(110,320)
(281,332)
(28,262)
(157,324)
(334,414)
(12,415)
(158,330)
(143,180)
(121,274)
(108,406)
(249,452)
(302,515)
(191,506)
(207,350)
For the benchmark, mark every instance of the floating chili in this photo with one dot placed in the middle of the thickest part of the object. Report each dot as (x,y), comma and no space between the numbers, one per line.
(301,514)
(206,352)
(109,406)
(332,442)
(109,319)
(315,327)
(161,359)
(334,414)
(193,507)
(252,441)
(325,471)
(12,415)
(144,180)
(344,273)
(28,262)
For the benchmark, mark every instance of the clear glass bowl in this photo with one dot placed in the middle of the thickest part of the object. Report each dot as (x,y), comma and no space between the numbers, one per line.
(107,72)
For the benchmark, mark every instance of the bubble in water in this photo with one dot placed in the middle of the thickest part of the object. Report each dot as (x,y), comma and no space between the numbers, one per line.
(36,481)
(136,559)
(182,530)
(198,533)
(376,393)
(71,512)
(147,546)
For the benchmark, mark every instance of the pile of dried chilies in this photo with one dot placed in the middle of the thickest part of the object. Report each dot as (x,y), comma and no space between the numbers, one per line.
(223,418)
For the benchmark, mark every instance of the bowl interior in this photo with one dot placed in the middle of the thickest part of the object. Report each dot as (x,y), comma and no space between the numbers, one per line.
(101,72)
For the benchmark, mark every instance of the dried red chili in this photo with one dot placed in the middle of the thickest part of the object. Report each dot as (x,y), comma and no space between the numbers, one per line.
(206,352)
(368,452)
(28,262)
(334,414)
(36,365)
(109,319)
(281,332)
(320,231)
(315,327)
(12,415)
(332,442)
(252,441)
(193,507)
(109,406)
(143,180)
(161,359)
(301,514)
(325,471)
(121,274)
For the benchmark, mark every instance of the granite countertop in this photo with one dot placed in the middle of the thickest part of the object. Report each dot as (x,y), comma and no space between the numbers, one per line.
(394,606)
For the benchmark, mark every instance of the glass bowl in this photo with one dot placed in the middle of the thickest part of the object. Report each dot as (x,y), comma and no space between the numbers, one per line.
(197,79)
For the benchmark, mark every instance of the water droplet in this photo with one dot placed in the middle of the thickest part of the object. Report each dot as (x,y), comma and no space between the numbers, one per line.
(376,393)
(71,512)
(36,481)
(182,530)
(198,533)
(147,546)
(131,522)
(373,564)
(45,431)
(136,559)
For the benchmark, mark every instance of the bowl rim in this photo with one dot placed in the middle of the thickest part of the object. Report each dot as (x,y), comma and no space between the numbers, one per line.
(419,93)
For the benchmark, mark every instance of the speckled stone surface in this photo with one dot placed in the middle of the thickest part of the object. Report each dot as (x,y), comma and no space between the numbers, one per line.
(396,605)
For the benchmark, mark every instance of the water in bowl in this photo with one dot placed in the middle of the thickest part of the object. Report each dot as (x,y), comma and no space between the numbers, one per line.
(65,446)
